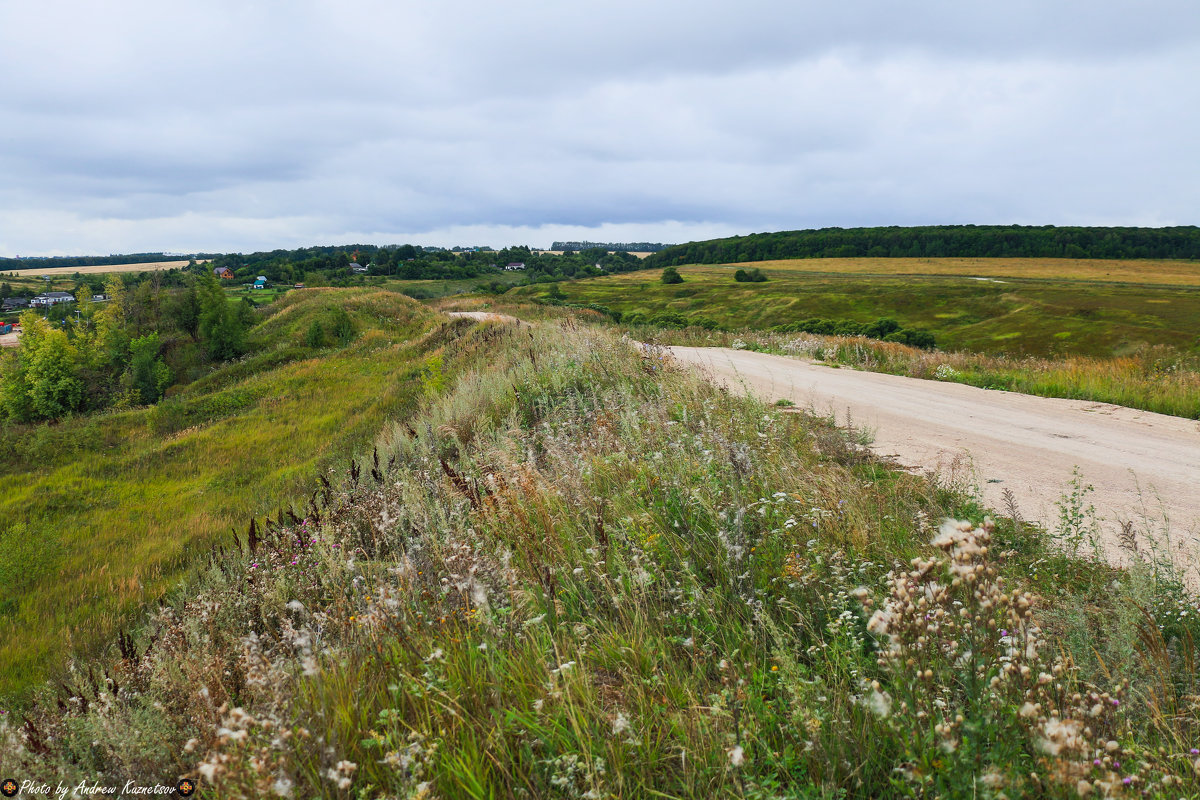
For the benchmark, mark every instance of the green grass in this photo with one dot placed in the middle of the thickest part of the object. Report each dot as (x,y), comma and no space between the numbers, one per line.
(1020,316)
(583,572)
(120,504)
(435,289)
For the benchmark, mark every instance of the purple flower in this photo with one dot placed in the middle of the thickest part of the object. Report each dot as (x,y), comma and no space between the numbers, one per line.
(1116,765)
(1127,781)
(1195,752)
(1096,763)
(1116,702)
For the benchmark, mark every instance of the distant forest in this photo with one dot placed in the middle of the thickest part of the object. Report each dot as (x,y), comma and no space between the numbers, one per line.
(341,264)
(620,247)
(986,241)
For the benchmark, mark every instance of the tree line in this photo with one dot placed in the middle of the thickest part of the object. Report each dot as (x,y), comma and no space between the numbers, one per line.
(344,265)
(938,241)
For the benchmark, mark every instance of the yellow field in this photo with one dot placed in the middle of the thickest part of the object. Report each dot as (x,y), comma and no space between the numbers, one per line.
(149,266)
(1172,273)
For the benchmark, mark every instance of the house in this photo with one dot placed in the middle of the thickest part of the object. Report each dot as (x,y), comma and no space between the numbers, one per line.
(356,267)
(224,273)
(298,286)
(99,298)
(260,282)
(515,265)
(13,303)
(48,299)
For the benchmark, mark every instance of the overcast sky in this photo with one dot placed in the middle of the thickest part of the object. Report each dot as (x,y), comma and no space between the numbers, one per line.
(219,126)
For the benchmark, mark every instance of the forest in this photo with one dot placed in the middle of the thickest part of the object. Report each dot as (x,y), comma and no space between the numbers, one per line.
(939,241)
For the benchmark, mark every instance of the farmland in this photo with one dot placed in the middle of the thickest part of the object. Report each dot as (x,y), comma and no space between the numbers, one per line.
(1038,307)
(149,266)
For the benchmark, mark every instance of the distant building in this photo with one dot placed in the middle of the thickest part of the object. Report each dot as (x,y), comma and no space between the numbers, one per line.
(99,298)
(260,282)
(298,286)
(13,303)
(225,273)
(515,265)
(52,298)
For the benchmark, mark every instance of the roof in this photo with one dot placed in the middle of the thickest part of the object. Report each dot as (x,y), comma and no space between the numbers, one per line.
(261,278)
(57,295)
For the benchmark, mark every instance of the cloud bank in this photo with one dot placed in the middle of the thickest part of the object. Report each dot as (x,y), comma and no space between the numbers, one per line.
(190,126)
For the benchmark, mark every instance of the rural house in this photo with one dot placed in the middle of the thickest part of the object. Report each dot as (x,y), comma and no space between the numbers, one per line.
(515,265)
(260,282)
(13,303)
(224,273)
(52,298)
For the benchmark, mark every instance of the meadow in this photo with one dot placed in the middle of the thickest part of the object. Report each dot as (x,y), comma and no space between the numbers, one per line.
(1071,308)
(575,570)
(100,269)
(102,514)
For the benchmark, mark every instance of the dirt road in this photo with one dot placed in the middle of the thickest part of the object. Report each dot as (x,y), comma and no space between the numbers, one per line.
(1144,466)
(485,316)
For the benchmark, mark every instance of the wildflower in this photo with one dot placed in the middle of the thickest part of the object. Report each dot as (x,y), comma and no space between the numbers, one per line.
(282,786)
(737,756)
(620,724)
(880,703)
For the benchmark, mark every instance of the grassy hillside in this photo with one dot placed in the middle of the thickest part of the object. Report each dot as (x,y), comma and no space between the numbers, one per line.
(101,514)
(1069,311)
(582,573)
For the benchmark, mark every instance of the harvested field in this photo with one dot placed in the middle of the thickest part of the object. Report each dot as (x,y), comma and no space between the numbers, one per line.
(149,266)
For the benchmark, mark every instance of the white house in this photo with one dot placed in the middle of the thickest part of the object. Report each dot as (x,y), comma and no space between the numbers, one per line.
(515,265)
(52,298)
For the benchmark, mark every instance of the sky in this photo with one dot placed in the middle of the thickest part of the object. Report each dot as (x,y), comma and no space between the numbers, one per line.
(216,126)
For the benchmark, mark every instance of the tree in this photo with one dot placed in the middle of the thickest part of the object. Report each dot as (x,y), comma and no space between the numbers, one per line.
(219,328)
(5,290)
(148,373)
(41,382)
(671,275)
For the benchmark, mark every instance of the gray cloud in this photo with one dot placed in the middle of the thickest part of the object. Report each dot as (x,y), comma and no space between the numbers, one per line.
(215,125)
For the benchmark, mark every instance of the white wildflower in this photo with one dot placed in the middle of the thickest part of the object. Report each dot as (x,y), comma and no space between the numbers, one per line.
(737,756)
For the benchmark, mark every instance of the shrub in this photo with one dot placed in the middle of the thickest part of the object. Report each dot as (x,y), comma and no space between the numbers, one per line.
(671,275)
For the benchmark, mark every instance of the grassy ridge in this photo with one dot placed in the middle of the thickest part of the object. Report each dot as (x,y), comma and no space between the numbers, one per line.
(101,514)
(1014,315)
(588,574)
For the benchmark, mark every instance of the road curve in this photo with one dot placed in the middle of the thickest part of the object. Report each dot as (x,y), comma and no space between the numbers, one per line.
(1145,467)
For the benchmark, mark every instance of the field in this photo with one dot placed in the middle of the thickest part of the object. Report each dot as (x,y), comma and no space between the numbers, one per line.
(149,266)
(1069,308)
(583,572)
(101,514)
(434,289)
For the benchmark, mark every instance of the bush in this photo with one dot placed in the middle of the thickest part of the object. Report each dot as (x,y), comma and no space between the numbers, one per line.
(750,276)
(671,275)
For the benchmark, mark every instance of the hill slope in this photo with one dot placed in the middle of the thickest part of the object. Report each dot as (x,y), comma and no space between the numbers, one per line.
(100,514)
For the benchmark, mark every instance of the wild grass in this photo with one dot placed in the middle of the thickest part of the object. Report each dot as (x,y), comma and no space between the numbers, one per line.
(578,572)
(102,514)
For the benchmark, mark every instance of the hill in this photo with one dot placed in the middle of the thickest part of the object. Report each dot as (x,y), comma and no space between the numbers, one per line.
(582,572)
(940,241)
(103,513)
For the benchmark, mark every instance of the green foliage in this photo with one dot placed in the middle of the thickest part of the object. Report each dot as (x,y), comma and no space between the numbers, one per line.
(988,241)
(750,276)
(314,337)
(342,327)
(149,374)
(671,275)
(219,326)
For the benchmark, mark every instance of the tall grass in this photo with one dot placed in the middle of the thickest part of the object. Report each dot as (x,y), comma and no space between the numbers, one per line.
(578,572)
